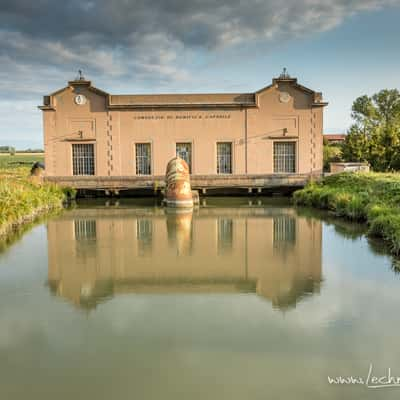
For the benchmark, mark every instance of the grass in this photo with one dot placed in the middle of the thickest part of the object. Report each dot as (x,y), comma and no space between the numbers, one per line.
(373,198)
(22,198)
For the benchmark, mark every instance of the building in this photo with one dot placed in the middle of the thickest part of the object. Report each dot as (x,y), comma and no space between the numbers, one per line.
(337,138)
(93,139)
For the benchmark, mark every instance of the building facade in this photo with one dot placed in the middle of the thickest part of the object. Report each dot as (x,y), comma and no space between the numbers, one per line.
(276,130)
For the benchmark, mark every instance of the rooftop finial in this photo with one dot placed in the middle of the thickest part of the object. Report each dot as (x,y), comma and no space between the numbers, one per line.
(80,76)
(284,74)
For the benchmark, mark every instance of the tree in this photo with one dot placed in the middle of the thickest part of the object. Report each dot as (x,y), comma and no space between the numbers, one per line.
(355,146)
(375,134)
(7,149)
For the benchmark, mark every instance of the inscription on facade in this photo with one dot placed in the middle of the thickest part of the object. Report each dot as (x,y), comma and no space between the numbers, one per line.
(184,116)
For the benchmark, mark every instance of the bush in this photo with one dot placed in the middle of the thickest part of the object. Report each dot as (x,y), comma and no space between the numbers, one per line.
(370,197)
(376,210)
(387,226)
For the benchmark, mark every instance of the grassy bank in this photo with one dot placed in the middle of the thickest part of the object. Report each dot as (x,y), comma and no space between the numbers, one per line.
(22,200)
(370,197)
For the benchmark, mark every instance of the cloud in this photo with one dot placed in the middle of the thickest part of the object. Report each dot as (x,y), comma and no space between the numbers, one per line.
(116,37)
(194,23)
(43,43)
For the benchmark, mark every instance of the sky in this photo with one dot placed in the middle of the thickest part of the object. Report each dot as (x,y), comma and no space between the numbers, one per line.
(343,48)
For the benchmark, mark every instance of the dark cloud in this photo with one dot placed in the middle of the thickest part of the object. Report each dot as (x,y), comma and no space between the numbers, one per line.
(141,37)
(113,32)
(198,22)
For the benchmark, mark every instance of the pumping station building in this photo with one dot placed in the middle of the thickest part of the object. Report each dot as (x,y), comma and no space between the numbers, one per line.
(248,141)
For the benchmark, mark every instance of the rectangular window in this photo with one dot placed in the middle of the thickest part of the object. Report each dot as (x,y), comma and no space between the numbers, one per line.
(85,229)
(143,159)
(284,233)
(83,159)
(224,158)
(144,234)
(225,234)
(284,229)
(184,151)
(284,157)
(85,236)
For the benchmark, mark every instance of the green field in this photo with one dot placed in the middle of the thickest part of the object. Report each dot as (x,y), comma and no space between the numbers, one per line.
(19,159)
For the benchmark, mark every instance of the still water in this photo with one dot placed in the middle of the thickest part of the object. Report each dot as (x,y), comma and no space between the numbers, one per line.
(239,299)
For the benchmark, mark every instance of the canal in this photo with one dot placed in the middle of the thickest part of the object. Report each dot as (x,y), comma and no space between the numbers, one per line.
(239,299)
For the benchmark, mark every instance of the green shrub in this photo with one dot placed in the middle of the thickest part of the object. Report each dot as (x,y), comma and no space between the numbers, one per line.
(378,209)
(387,226)
(356,208)
(69,193)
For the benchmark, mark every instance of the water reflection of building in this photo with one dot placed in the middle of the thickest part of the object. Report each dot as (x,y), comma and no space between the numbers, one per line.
(179,230)
(144,235)
(96,253)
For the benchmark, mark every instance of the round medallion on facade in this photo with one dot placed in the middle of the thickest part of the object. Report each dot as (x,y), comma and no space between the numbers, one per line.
(284,97)
(80,99)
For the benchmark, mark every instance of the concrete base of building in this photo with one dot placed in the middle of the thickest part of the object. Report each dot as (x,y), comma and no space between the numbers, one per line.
(205,184)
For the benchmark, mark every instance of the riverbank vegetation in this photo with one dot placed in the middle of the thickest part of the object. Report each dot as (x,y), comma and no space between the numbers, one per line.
(370,197)
(23,198)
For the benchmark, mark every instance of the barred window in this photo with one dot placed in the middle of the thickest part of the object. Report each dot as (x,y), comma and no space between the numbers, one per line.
(184,151)
(224,158)
(85,229)
(284,230)
(85,239)
(143,159)
(225,234)
(83,159)
(284,157)
(144,235)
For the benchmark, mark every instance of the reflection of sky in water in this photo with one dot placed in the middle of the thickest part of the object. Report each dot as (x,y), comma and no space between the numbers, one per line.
(201,345)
